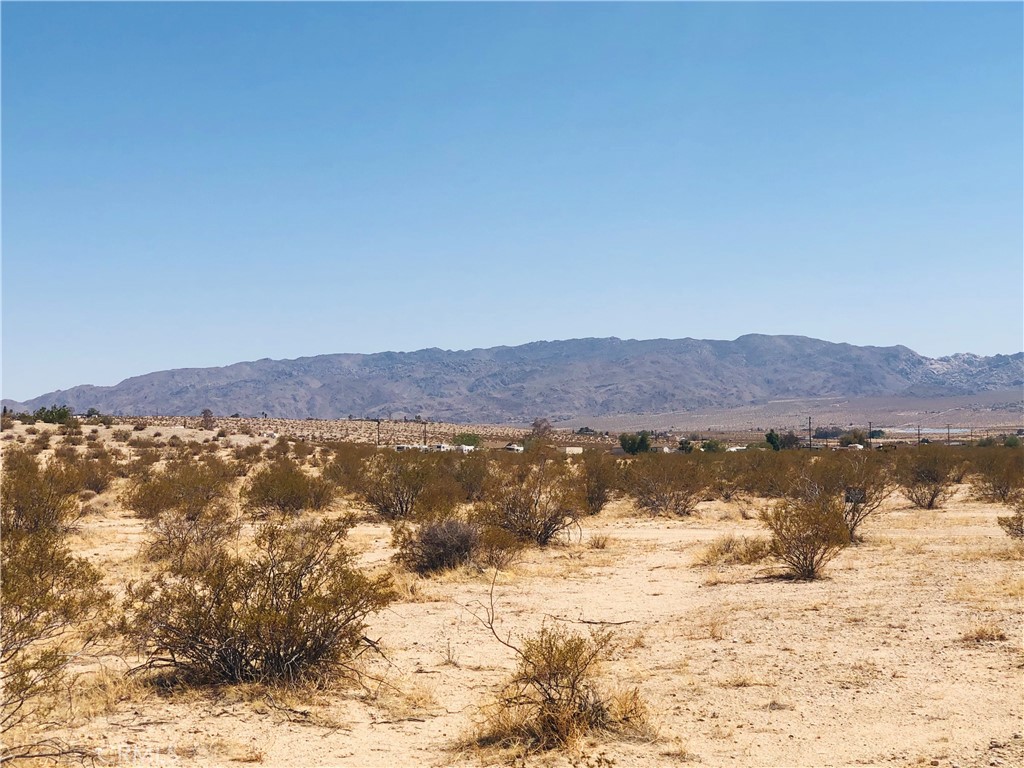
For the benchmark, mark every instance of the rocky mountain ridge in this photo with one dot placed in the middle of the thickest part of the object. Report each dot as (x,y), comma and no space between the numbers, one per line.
(555,379)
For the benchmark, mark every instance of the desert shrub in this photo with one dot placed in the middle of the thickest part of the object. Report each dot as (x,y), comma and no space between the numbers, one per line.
(437,545)
(185,485)
(302,451)
(283,487)
(248,455)
(120,435)
(769,475)
(33,498)
(925,475)
(470,473)
(998,473)
(467,438)
(407,485)
(667,483)
(279,449)
(498,548)
(50,606)
(41,441)
(6,423)
(141,464)
(806,533)
(293,610)
(862,481)
(735,550)
(599,476)
(713,446)
(532,501)
(552,700)
(1013,524)
(183,536)
(94,471)
(345,469)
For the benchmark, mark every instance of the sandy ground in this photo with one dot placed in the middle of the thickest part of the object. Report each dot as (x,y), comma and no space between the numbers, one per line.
(868,666)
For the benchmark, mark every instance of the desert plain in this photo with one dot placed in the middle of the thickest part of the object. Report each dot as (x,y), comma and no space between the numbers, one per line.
(908,652)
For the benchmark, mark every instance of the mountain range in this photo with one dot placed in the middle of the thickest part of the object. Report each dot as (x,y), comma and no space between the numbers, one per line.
(554,379)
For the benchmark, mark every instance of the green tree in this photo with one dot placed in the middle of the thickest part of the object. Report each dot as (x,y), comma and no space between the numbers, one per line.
(633,443)
(789,441)
(773,439)
(854,437)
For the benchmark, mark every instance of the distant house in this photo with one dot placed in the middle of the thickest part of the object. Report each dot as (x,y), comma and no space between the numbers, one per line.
(572,450)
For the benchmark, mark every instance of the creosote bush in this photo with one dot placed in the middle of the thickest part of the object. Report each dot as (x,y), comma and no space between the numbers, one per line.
(552,699)
(862,481)
(51,607)
(665,484)
(186,485)
(33,498)
(925,475)
(409,485)
(532,501)
(345,469)
(437,545)
(283,487)
(998,473)
(1013,524)
(806,533)
(599,476)
(292,610)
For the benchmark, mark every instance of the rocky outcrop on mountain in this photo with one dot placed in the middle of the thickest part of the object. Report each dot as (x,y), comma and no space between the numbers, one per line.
(556,379)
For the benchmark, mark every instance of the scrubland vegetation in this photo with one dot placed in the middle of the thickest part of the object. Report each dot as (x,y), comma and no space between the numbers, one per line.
(270,568)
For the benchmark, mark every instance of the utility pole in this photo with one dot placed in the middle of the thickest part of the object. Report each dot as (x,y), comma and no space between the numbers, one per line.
(919,434)
(947,434)
(424,434)
(810,439)
(869,434)
(378,433)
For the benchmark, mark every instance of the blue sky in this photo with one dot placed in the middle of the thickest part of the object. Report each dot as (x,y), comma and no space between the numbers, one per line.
(197,184)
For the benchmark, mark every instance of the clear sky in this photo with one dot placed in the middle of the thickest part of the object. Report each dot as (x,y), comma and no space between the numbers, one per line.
(196,184)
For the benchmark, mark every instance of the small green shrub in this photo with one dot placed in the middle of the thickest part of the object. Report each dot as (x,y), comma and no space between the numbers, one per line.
(998,473)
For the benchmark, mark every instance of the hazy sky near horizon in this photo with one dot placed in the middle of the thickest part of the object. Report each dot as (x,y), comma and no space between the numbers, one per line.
(195,184)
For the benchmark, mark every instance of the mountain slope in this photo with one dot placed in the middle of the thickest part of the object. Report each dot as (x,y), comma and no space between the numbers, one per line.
(558,380)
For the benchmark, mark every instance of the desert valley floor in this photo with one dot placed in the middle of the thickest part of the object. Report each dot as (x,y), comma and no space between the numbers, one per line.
(909,652)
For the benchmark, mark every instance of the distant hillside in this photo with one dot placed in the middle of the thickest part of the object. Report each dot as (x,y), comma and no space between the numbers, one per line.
(557,379)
